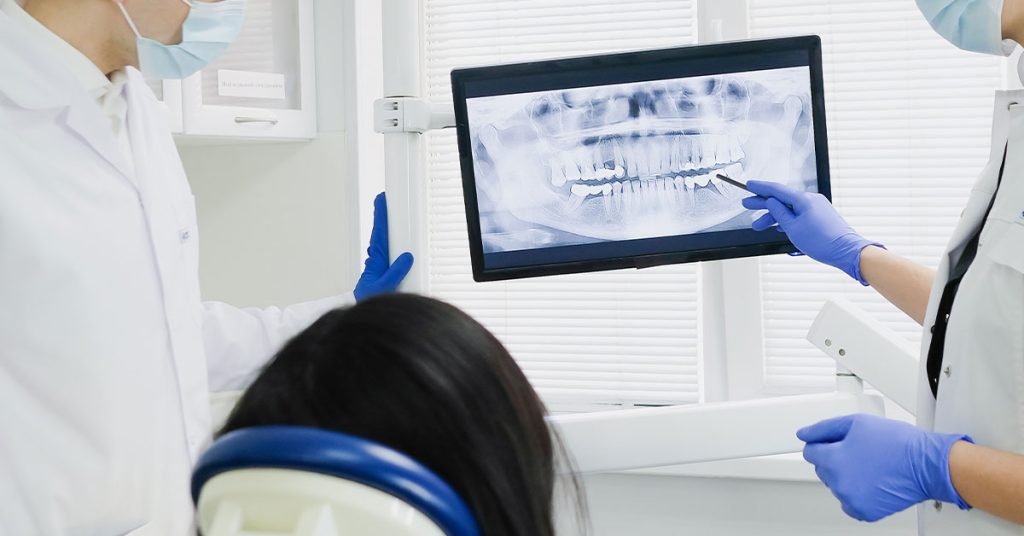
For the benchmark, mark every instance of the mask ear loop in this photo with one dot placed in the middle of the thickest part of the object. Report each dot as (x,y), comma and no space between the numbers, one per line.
(131,23)
(127,17)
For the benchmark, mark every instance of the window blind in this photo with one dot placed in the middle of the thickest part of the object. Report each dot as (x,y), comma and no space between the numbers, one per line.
(585,341)
(909,122)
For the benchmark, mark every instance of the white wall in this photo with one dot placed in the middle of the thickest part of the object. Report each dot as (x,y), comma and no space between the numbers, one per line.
(274,220)
(627,505)
(279,224)
(277,221)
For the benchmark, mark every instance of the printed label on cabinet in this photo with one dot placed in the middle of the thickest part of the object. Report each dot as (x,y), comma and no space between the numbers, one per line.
(251,85)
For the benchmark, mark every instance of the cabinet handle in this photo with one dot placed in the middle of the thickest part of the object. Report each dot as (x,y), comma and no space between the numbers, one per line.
(241,120)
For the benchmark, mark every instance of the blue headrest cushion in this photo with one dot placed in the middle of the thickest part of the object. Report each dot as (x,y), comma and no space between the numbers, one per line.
(343,456)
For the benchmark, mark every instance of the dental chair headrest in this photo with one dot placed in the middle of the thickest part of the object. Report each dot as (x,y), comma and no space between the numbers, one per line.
(343,456)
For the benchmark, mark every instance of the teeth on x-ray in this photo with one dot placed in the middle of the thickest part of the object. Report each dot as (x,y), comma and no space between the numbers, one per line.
(679,155)
(639,160)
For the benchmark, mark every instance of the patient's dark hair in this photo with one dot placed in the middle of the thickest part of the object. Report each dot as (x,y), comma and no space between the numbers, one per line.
(424,378)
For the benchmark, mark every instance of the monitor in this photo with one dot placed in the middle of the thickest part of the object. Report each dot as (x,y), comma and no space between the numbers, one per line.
(611,161)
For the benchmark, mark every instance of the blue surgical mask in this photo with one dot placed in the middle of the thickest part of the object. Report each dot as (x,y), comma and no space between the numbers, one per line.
(208,30)
(974,25)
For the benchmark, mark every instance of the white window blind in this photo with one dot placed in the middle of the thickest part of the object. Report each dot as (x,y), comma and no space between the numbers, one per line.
(586,341)
(909,121)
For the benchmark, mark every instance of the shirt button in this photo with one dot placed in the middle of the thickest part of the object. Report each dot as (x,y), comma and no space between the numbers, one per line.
(185,235)
(948,372)
(937,505)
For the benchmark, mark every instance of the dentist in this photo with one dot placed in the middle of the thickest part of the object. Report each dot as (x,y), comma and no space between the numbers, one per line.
(964,462)
(107,354)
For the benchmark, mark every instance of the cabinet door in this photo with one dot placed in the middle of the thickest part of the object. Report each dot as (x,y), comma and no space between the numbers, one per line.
(264,86)
(168,92)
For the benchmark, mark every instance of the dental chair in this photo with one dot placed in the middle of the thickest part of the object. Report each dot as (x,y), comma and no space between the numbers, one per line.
(297,481)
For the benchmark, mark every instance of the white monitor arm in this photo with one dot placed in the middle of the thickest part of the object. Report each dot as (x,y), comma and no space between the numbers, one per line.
(402,116)
(868,349)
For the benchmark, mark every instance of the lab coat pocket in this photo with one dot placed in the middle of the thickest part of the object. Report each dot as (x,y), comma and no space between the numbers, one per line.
(1008,249)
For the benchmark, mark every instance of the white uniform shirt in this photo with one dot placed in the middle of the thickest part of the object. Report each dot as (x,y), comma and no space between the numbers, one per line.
(107,354)
(981,388)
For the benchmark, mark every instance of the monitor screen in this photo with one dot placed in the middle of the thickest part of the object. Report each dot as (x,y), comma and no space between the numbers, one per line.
(607,162)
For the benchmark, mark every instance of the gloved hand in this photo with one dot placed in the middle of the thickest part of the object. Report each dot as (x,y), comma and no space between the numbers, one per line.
(811,223)
(378,277)
(877,467)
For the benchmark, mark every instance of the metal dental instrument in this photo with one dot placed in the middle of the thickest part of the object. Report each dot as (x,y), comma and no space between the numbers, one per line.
(733,182)
(739,184)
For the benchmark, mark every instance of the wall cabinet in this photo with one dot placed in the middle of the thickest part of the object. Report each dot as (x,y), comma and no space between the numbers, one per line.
(263,87)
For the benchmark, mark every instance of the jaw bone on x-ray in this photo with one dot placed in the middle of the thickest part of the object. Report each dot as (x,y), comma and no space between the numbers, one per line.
(637,160)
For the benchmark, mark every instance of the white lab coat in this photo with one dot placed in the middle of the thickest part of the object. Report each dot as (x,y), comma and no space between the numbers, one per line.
(981,391)
(107,354)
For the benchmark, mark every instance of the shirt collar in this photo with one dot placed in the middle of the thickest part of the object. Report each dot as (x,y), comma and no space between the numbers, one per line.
(84,70)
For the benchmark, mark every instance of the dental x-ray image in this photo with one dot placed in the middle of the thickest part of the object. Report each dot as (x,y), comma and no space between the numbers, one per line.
(638,160)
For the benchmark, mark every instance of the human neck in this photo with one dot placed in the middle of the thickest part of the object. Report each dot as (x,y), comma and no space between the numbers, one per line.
(85,25)
(1013,20)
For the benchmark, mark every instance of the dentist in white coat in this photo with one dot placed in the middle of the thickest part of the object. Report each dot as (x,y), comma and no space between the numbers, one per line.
(107,354)
(963,465)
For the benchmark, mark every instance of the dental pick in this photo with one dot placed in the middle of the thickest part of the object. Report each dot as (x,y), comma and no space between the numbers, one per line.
(733,182)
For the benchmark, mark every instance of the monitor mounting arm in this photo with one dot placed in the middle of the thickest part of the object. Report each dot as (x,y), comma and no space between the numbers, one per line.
(410,115)
(402,116)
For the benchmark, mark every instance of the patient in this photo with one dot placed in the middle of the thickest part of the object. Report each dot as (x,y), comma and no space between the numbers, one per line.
(424,378)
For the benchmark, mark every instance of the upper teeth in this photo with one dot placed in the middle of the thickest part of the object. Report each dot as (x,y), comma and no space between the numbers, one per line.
(645,158)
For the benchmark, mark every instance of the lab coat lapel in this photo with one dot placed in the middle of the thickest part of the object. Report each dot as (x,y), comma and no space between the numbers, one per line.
(36,82)
(970,221)
(86,120)
(157,166)
(981,195)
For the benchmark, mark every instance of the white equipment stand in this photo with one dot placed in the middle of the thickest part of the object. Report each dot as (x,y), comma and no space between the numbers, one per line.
(658,437)
(403,116)
(641,438)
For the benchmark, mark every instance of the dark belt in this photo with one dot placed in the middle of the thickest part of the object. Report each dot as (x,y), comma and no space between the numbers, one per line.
(956,276)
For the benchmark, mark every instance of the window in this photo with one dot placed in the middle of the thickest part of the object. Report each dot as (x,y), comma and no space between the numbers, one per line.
(909,118)
(909,121)
(587,341)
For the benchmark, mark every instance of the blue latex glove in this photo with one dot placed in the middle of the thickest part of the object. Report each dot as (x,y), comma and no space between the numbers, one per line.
(877,467)
(378,277)
(811,223)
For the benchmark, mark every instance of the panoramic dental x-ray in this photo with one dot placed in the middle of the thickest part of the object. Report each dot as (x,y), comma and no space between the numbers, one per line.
(639,160)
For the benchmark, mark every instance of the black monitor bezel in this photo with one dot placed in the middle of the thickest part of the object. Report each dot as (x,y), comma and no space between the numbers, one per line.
(459,77)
